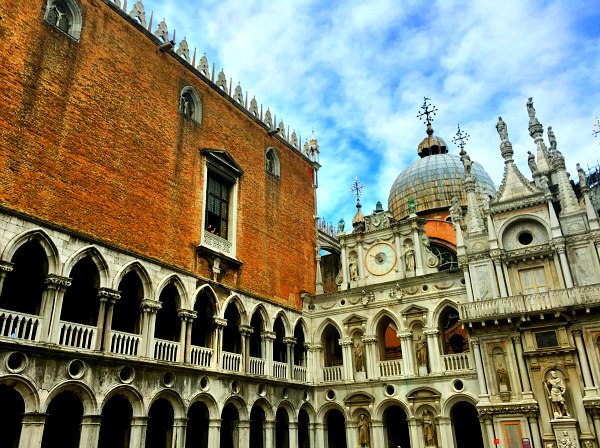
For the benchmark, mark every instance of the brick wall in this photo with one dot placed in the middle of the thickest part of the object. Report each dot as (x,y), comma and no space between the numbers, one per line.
(91,140)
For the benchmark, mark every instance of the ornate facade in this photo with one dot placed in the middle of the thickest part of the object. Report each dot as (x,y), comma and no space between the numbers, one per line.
(159,285)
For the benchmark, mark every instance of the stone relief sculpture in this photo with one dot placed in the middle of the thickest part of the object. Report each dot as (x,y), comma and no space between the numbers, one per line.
(294,139)
(531,162)
(483,282)
(162,32)
(203,66)
(364,436)
(429,433)
(253,107)
(421,352)
(183,50)
(455,211)
(137,12)
(409,257)
(353,267)
(222,80)
(358,357)
(502,130)
(238,95)
(556,388)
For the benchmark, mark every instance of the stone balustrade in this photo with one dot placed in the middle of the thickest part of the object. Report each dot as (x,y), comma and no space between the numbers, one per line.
(279,369)
(77,335)
(231,361)
(457,361)
(165,350)
(123,343)
(390,368)
(257,366)
(19,325)
(333,373)
(200,356)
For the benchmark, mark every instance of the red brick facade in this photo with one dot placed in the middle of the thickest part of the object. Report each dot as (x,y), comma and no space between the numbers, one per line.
(91,140)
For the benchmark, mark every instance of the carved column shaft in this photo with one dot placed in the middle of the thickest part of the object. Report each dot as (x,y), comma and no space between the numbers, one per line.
(521,363)
(268,337)
(361,259)
(218,348)
(479,366)
(293,435)
(535,431)
(408,367)
(418,253)
(344,267)
(500,277)
(564,265)
(214,432)
(399,257)
(290,343)
(583,360)
(110,297)
(90,430)
(32,430)
(346,344)
(433,349)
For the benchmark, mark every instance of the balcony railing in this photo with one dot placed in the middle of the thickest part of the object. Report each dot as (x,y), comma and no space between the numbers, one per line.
(279,369)
(20,325)
(77,335)
(165,350)
(217,243)
(506,307)
(200,356)
(390,368)
(124,343)
(257,366)
(300,373)
(333,373)
(457,361)
(231,361)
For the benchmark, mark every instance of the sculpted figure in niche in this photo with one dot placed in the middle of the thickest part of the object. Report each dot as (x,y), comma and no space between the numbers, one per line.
(556,388)
(429,430)
(502,376)
(409,258)
(358,357)
(353,269)
(364,436)
(421,352)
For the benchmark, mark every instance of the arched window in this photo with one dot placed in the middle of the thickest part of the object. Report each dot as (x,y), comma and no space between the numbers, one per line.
(190,105)
(447,257)
(64,15)
(272,163)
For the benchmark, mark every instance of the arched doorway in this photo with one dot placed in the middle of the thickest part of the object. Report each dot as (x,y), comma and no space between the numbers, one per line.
(389,345)
(229,426)
(396,424)
(465,423)
(303,434)
(168,325)
(63,421)
(115,430)
(159,433)
(257,427)
(197,426)
(11,415)
(282,429)
(336,429)
(80,303)
(24,285)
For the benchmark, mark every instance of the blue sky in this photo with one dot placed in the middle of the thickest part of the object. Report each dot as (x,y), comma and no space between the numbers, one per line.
(357,73)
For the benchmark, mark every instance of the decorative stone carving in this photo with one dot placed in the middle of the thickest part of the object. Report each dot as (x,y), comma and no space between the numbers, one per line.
(203,66)
(429,433)
(137,12)
(582,177)
(353,268)
(183,50)
(162,32)
(364,435)
(421,352)
(556,388)
(483,282)
(268,120)
(552,139)
(281,128)
(455,211)
(222,80)
(409,257)
(358,357)
(238,95)
(531,162)
(502,130)
(253,107)
(294,139)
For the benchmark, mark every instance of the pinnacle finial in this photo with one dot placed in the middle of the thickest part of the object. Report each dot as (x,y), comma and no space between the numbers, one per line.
(460,139)
(427,115)
(596,132)
(357,189)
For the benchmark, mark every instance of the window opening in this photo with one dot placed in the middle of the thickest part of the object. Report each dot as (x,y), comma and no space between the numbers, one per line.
(217,206)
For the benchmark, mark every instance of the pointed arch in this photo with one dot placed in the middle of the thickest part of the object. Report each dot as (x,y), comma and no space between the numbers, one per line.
(175,280)
(27,390)
(207,290)
(82,390)
(172,397)
(43,239)
(387,403)
(96,256)
(210,402)
(328,321)
(261,310)
(384,312)
(323,410)
(285,321)
(302,322)
(135,398)
(142,272)
(236,301)
(440,308)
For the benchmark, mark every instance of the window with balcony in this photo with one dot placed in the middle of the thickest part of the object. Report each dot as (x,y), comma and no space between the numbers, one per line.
(533,280)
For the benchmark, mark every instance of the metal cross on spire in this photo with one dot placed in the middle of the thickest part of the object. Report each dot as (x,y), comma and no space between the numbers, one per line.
(428,111)
(357,188)
(596,132)
(460,138)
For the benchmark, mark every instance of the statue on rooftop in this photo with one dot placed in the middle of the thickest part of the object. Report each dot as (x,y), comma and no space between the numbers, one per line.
(531,162)
(455,211)
(582,176)
(531,109)
(502,130)
(551,138)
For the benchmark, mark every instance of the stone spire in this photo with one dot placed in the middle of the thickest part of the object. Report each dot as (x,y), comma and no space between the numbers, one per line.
(536,131)
(474,216)
(566,195)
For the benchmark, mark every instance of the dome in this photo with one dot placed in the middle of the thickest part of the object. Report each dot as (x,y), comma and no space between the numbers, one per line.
(433,181)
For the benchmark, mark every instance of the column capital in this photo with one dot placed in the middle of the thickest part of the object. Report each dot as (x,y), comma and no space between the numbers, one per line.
(474,341)
(180,422)
(214,423)
(57,281)
(219,322)
(151,306)
(108,295)
(246,330)
(6,267)
(268,335)
(293,425)
(369,339)
(34,417)
(404,334)
(431,332)
(187,315)
(576,330)
(139,421)
(289,341)
(346,342)
(313,347)
(516,337)
(91,420)
(244,424)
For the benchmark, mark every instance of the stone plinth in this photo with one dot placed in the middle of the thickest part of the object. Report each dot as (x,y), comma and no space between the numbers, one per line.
(565,431)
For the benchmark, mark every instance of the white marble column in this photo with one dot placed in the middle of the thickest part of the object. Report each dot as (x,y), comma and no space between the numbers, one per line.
(186,316)
(446,438)
(370,356)
(267,338)
(32,430)
(479,366)
(179,426)
(344,258)
(214,432)
(596,423)
(346,344)
(5,268)
(535,431)
(137,438)
(109,297)
(245,332)
(489,431)
(378,433)
(149,308)
(90,431)
(269,432)
(527,393)
(433,349)
(468,286)
(415,435)
(293,434)
(418,253)
(244,434)
(583,361)
(361,259)
(290,343)
(312,435)
(52,300)
(399,268)
(351,433)
(500,276)
(408,367)
(564,264)
(218,343)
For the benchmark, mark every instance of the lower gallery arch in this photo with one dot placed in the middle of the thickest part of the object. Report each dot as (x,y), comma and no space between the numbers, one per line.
(257,427)
(197,426)
(159,433)
(230,418)
(303,425)
(396,427)
(335,429)
(63,421)
(115,430)
(465,425)
(11,414)
(282,429)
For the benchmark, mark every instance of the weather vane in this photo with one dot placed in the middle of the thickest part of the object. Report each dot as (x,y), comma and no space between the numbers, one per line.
(357,188)
(428,111)
(596,132)
(460,138)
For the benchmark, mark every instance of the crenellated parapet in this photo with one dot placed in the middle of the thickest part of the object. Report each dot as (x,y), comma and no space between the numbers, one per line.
(200,66)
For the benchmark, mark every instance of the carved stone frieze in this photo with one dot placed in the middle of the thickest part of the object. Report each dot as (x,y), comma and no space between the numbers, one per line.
(523,409)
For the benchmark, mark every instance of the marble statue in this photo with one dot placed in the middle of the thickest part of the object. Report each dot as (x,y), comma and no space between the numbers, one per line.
(358,357)
(551,138)
(502,376)
(455,211)
(353,269)
(467,163)
(556,388)
(530,109)
(582,177)
(502,130)
(409,258)
(429,430)
(531,162)
(364,436)
(421,352)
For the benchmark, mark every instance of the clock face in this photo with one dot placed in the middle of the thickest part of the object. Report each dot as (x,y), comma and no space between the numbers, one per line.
(380,259)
